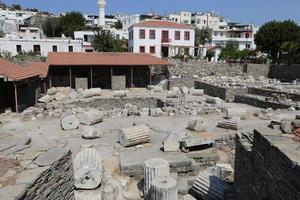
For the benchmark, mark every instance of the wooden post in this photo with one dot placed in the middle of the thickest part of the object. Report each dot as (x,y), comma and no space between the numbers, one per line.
(150,75)
(16,98)
(131,77)
(111,76)
(70,76)
(50,81)
(91,70)
(45,87)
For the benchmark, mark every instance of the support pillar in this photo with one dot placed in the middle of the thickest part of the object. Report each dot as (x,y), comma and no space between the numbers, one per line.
(70,76)
(131,77)
(111,77)
(45,87)
(50,81)
(91,71)
(150,75)
(16,98)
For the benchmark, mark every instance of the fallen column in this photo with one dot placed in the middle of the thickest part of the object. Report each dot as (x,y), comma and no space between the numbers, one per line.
(164,188)
(195,124)
(91,92)
(134,135)
(196,92)
(91,117)
(236,112)
(69,121)
(88,169)
(154,168)
(207,186)
(88,132)
(233,124)
(120,93)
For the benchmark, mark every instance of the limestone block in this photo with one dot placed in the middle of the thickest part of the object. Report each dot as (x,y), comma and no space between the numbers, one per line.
(233,124)
(236,112)
(45,99)
(91,117)
(296,123)
(52,91)
(73,95)
(221,170)
(171,143)
(286,126)
(88,169)
(184,90)
(157,88)
(176,89)
(92,92)
(154,168)
(120,93)
(51,156)
(164,188)
(173,94)
(134,135)
(88,132)
(188,197)
(196,92)
(195,124)
(69,121)
(60,96)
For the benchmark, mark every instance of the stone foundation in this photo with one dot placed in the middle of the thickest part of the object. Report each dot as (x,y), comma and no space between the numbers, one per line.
(267,167)
(52,178)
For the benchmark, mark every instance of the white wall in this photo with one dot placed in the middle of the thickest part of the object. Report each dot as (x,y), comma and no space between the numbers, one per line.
(136,42)
(45,44)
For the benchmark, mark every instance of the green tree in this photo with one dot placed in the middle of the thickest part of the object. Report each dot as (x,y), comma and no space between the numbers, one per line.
(231,45)
(105,41)
(2,34)
(202,36)
(52,27)
(16,7)
(72,21)
(118,25)
(272,35)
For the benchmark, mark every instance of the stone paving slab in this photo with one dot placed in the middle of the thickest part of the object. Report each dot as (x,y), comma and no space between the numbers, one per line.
(51,156)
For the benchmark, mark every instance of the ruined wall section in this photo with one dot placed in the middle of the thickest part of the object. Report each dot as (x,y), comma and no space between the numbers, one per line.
(268,168)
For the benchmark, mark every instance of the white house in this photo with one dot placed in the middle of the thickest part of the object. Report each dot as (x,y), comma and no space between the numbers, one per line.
(161,38)
(128,21)
(243,34)
(182,17)
(32,39)
(208,20)
(18,15)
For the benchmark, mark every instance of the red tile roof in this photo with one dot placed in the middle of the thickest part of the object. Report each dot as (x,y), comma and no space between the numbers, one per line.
(15,72)
(39,67)
(104,59)
(162,24)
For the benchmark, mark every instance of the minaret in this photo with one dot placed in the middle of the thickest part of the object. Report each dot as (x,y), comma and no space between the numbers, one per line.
(101,21)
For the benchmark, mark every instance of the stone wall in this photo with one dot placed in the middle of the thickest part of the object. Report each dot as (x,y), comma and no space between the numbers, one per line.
(226,94)
(260,102)
(285,73)
(110,103)
(183,82)
(51,178)
(28,93)
(267,167)
(269,93)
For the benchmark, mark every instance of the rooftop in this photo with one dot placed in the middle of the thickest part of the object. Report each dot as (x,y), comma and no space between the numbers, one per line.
(104,59)
(162,24)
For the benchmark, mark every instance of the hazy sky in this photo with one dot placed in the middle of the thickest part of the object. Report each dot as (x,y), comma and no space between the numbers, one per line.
(245,11)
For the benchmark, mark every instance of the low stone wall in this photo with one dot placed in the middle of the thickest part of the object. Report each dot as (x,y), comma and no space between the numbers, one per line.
(260,102)
(269,93)
(109,103)
(52,178)
(226,94)
(183,82)
(285,73)
(267,167)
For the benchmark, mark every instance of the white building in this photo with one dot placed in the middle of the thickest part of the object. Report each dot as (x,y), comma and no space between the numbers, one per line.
(161,38)
(8,25)
(31,39)
(243,34)
(208,20)
(181,17)
(18,15)
(101,21)
(128,21)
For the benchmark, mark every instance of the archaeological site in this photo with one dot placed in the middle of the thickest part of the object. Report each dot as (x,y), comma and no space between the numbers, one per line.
(131,126)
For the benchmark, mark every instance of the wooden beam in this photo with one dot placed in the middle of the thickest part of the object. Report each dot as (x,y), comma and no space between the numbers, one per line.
(16,98)
(91,70)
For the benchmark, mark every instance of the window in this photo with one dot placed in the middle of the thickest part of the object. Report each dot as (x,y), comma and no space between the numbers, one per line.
(142,34)
(247,46)
(70,48)
(19,48)
(186,35)
(221,34)
(204,21)
(152,34)
(177,35)
(216,33)
(54,48)
(37,49)
(152,49)
(142,49)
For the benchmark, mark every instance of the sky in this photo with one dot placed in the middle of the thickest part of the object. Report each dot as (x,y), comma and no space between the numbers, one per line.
(244,11)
